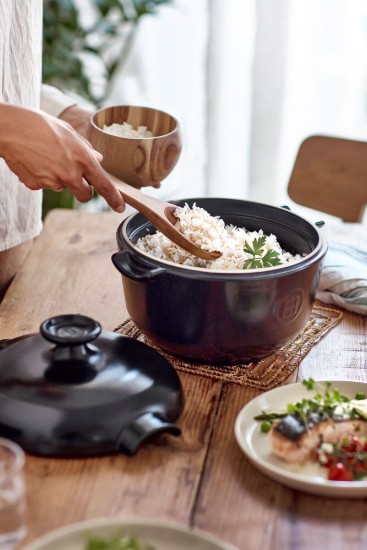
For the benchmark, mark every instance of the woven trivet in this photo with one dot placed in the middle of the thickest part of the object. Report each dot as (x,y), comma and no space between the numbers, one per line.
(264,374)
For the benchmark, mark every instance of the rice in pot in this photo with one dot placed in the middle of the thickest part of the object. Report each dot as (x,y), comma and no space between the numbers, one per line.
(210,233)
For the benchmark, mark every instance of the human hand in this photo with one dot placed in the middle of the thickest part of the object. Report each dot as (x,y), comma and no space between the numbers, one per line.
(78,118)
(47,153)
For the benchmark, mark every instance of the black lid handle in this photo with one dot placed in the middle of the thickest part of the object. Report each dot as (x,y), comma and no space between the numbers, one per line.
(142,428)
(72,360)
(70,330)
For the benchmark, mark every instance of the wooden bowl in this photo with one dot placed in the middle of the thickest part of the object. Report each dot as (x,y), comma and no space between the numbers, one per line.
(139,161)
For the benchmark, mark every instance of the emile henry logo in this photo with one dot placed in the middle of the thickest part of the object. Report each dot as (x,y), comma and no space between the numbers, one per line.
(289,307)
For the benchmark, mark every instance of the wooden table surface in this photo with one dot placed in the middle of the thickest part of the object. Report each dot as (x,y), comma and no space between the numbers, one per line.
(200,479)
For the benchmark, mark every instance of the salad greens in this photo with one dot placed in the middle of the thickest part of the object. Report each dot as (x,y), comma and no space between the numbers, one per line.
(116,542)
(330,403)
(259,259)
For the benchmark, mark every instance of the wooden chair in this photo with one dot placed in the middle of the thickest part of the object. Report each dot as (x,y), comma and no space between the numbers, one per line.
(330,175)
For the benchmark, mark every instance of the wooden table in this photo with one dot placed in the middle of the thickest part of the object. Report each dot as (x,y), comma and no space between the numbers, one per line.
(202,478)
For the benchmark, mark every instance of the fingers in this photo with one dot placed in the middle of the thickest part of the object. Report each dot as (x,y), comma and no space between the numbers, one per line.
(62,159)
(98,178)
(82,191)
(98,155)
(33,182)
(80,184)
(93,176)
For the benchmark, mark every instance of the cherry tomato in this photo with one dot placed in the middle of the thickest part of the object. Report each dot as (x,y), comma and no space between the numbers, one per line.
(358,468)
(339,472)
(353,445)
(329,461)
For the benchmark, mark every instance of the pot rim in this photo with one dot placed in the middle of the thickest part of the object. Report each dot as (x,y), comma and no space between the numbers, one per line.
(316,254)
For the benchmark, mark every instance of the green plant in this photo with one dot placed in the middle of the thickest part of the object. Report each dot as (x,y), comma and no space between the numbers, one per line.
(82,57)
(71,46)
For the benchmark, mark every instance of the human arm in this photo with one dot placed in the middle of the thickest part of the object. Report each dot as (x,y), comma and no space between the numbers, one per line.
(47,153)
(58,104)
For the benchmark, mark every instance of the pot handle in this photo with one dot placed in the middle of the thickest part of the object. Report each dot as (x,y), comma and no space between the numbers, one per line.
(125,264)
(319,224)
(143,427)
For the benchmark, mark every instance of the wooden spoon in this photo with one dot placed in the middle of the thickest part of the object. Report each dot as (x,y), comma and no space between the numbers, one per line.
(161,215)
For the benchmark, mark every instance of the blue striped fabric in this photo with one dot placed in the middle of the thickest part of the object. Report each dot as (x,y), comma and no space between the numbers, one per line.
(344,278)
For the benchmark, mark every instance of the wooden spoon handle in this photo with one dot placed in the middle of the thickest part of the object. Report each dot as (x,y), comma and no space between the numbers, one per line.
(160,214)
(145,204)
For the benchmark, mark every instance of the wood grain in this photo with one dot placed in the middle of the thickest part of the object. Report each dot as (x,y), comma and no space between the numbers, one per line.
(329,174)
(68,271)
(252,511)
(201,478)
(161,481)
(139,162)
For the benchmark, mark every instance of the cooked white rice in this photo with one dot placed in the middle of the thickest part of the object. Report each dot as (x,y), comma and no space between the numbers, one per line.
(127,130)
(209,233)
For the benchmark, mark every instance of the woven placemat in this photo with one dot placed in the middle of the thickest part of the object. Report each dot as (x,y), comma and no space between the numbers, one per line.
(264,374)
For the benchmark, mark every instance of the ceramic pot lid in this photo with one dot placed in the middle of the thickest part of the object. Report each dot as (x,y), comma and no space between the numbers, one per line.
(74,390)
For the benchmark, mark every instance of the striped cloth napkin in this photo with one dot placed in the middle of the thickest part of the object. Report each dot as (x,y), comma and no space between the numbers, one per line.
(343,279)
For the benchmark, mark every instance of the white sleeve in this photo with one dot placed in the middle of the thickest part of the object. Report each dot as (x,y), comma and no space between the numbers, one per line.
(53,101)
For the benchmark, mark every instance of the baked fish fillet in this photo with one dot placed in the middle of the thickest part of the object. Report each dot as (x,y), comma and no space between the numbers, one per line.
(295,439)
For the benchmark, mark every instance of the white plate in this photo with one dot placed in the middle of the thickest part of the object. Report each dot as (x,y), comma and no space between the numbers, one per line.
(310,477)
(161,535)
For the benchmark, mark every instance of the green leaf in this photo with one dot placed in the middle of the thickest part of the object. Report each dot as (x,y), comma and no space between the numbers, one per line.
(252,263)
(309,383)
(258,245)
(266,426)
(269,259)
(247,248)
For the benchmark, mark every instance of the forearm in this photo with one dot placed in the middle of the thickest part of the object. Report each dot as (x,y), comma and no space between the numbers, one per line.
(10,124)
(53,101)
(78,118)
(58,104)
(47,153)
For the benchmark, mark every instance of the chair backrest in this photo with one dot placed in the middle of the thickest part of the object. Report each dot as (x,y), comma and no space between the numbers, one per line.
(330,175)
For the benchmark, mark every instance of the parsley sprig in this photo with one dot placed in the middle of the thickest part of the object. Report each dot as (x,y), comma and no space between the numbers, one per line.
(259,259)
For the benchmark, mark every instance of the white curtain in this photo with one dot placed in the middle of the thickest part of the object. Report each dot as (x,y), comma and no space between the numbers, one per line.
(194,59)
(229,108)
(167,69)
(326,77)
(248,81)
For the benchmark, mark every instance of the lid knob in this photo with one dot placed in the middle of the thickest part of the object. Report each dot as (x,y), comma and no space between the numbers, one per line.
(70,330)
(72,361)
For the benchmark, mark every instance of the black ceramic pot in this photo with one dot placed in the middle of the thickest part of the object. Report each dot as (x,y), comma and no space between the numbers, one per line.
(222,316)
